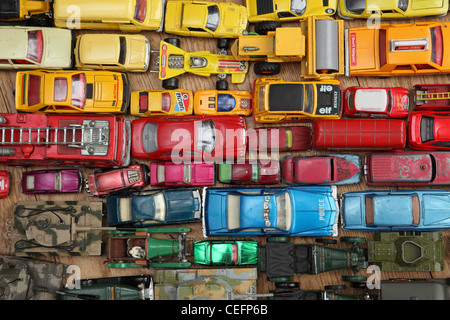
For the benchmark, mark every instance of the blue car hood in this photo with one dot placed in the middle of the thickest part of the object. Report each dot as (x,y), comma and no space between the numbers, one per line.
(436,210)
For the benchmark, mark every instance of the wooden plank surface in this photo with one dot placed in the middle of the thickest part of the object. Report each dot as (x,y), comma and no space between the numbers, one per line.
(93,267)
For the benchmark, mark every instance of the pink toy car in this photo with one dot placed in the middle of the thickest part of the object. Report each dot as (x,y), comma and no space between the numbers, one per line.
(376,102)
(52,181)
(167,173)
(107,182)
(257,172)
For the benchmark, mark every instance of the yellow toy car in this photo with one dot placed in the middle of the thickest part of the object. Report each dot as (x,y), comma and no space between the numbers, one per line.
(391,9)
(125,15)
(397,49)
(35,48)
(117,52)
(288,10)
(276,100)
(174,61)
(147,103)
(43,91)
(21,10)
(215,102)
(205,19)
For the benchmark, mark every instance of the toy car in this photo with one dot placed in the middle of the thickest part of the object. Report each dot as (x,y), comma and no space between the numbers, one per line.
(205,19)
(117,52)
(184,138)
(395,210)
(376,102)
(407,251)
(147,103)
(364,9)
(397,49)
(174,61)
(52,181)
(337,169)
(289,138)
(270,211)
(35,48)
(275,46)
(106,182)
(285,10)
(227,252)
(193,173)
(250,172)
(215,102)
(408,168)
(428,130)
(5,183)
(138,249)
(62,91)
(276,100)
(414,289)
(124,15)
(359,134)
(154,207)
(432,96)
(28,11)
(139,287)
(281,259)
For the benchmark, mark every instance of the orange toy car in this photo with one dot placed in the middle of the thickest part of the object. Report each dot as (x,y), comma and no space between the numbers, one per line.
(215,102)
(397,49)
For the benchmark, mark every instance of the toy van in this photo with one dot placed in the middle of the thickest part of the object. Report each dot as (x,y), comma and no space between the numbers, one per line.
(125,15)
(359,134)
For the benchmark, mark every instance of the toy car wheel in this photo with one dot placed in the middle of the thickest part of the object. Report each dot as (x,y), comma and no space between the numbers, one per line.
(265,26)
(170,84)
(221,85)
(354,278)
(336,287)
(279,279)
(287,285)
(173,41)
(266,68)
(278,239)
(353,239)
(146,172)
(223,43)
(326,241)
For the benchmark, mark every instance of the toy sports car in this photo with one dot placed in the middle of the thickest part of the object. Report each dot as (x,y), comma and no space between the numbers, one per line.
(190,173)
(288,211)
(52,181)
(228,252)
(396,210)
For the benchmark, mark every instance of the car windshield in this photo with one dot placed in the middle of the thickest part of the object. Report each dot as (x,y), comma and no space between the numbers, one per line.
(298,6)
(233,211)
(225,102)
(78,97)
(355,6)
(150,137)
(206,136)
(160,206)
(427,129)
(213,18)
(35,46)
(309,96)
(34,90)
(284,211)
(123,50)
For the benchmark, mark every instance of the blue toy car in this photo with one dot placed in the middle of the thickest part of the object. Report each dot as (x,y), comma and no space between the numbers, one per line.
(396,210)
(154,207)
(285,211)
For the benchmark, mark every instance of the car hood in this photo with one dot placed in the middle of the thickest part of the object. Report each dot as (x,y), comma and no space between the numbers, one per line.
(435,210)
(426,4)
(362,46)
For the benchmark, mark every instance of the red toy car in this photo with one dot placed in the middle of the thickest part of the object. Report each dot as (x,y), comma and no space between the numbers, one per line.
(412,168)
(429,130)
(333,169)
(107,182)
(432,96)
(290,138)
(181,174)
(5,183)
(359,134)
(190,137)
(249,172)
(376,102)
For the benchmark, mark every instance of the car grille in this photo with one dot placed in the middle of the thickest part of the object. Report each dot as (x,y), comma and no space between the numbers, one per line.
(264,6)
(133,176)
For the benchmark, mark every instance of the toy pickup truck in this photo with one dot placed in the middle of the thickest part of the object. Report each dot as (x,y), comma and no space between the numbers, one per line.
(317,45)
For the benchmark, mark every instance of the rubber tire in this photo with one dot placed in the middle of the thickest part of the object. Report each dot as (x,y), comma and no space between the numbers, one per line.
(266,26)
(353,239)
(173,41)
(222,85)
(326,240)
(170,84)
(266,68)
(223,43)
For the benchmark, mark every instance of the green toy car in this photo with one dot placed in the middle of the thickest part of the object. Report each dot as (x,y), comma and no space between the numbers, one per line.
(238,252)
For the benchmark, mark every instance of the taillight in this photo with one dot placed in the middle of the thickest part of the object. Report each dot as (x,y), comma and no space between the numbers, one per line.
(35,46)
(143,101)
(165,102)
(140,10)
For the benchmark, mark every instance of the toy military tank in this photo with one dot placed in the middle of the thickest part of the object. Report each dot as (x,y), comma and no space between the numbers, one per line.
(49,228)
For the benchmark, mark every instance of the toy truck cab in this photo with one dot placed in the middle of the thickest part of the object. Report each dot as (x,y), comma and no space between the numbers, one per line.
(276,100)
(174,61)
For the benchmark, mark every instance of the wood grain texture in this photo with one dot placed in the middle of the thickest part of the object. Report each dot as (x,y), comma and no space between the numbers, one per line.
(93,267)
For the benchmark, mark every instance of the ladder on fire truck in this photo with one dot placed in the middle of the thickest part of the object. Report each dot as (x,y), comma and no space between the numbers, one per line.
(75,135)
(425,96)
